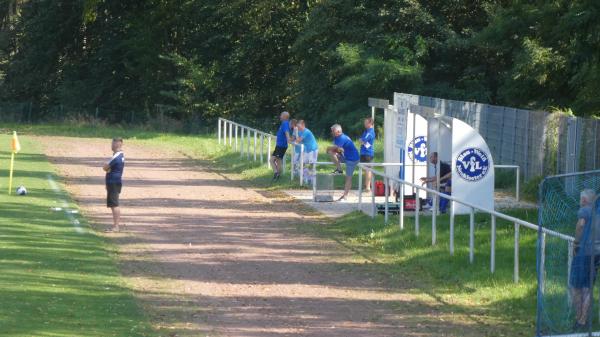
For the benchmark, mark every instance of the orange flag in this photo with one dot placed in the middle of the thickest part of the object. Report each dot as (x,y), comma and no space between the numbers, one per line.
(15,146)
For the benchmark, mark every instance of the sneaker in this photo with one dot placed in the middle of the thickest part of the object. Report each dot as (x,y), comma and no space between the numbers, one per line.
(336,171)
(276,177)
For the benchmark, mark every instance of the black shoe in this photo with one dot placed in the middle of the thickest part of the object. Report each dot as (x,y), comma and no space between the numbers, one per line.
(276,177)
(336,171)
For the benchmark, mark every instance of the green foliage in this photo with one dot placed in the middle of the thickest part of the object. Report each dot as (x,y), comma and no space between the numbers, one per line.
(195,60)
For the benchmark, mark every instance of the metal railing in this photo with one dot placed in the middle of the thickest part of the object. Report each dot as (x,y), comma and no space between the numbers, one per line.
(518,223)
(250,142)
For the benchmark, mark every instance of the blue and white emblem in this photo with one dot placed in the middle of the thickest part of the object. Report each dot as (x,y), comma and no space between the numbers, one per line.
(472,164)
(417,149)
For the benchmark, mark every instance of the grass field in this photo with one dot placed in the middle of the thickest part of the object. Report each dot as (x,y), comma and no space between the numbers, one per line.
(492,300)
(55,281)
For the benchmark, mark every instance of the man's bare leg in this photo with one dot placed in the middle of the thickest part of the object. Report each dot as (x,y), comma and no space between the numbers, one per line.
(116,212)
(347,187)
(368,181)
(335,158)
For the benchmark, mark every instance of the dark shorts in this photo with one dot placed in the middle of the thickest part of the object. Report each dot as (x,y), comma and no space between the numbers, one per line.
(583,272)
(112,195)
(279,152)
(366,159)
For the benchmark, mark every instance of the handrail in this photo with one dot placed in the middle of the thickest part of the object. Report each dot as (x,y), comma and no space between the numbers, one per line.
(468,204)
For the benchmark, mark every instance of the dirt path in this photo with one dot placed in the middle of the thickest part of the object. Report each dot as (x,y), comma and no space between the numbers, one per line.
(207,257)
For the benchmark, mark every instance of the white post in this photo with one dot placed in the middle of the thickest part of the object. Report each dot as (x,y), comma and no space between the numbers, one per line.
(387,199)
(433,226)
(360,190)
(314,182)
(248,145)
(230,133)
(219,130)
(472,235)
(255,143)
(516,271)
(301,164)
(451,227)
(242,142)
(269,151)
(417,207)
(262,147)
(493,246)
(373,206)
(518,183)
(401,210)
(236,137)
(569,260)
(542,260)
(292,162)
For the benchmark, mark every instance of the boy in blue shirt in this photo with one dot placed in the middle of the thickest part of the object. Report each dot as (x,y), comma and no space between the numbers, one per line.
(114,173)
(281,145)
(311,149)
(367,149)
(343,151)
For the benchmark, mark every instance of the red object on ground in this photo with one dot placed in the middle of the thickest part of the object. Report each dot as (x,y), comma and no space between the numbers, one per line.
(379,188)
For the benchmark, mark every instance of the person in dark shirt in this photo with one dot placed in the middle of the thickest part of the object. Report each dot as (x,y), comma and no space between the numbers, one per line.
(114,173)
(582,274)
(445,179)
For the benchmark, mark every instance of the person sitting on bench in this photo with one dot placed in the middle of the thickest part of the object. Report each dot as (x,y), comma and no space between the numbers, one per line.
(445,179)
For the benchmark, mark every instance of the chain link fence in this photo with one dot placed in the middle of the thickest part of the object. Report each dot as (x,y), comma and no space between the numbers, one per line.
(539,142)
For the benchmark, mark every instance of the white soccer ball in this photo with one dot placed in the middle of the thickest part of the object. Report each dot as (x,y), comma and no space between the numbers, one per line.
(21,190)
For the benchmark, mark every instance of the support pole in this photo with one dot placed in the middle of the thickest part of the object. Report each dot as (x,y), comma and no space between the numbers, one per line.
(360,189)
(452,227)
(301,173)
(401,210)
(242,142)
(516,270)
(373,205)
(230,133)
(236,137)
(255,143)
(493,246)
(417,207)
(387,199)
(472,236)
(262,147)
(219,130)
(292,162)
(269,151)
(518,183)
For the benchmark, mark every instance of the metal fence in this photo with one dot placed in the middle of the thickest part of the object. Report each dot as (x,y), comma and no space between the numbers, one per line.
(539,142)
(494,215)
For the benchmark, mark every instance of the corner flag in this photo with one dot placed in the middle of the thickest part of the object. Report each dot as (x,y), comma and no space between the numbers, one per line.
(15,147)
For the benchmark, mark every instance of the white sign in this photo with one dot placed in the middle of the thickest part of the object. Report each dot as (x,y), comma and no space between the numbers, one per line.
(401,127)
(472,168)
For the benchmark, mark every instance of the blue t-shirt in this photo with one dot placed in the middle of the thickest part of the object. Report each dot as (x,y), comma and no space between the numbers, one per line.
(309,141)
(586,241)
(282,140)
(117,164)
(350,151)
(368,137)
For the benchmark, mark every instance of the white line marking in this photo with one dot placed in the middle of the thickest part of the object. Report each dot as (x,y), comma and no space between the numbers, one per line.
(65,204)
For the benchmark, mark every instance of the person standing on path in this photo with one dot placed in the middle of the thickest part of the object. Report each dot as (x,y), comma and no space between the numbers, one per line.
(367,149)
(114,174)
(343,151)
(281,145)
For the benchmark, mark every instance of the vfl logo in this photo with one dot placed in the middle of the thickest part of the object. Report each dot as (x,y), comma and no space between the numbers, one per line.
(472,164)
(417,149)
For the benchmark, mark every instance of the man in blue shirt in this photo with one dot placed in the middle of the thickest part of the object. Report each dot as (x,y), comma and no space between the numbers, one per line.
(281,145)
(367,149)
(311,150)
(114,173)
(343,151)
